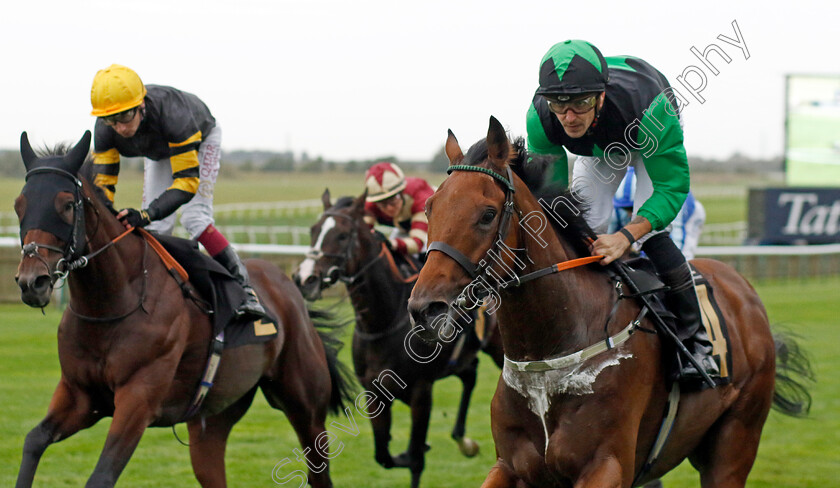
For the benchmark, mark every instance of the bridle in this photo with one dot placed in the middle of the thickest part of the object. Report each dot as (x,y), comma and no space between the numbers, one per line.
(71,256)
(508,208)
(482,268)
(339,272)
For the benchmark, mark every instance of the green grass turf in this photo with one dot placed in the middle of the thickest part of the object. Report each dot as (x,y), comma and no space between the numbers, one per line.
(794,453)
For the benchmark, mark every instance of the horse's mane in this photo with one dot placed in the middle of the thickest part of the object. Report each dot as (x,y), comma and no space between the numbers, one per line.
(531,169)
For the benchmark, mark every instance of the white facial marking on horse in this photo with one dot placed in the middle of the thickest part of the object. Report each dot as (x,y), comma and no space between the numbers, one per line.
(307,267)
(539,387)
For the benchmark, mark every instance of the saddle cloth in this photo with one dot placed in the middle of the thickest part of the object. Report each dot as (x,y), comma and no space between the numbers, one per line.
(644,277)
(221,291)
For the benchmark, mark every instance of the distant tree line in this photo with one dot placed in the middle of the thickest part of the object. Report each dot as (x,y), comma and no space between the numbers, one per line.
(273,162)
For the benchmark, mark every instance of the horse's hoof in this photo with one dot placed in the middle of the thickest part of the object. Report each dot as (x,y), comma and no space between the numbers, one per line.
(467,446)
(386,462)
(402,460)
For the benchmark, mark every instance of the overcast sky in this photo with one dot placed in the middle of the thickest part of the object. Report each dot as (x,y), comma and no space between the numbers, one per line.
(367,78)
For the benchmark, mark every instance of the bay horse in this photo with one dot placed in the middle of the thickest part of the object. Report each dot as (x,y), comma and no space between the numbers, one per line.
(131,345)
(345,249)
(582,397)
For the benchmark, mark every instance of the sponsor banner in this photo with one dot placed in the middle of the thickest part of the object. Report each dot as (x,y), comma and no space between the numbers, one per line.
(794,215)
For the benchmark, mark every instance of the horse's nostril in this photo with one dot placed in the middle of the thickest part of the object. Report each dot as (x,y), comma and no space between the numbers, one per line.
(425,315)
(436,309)
(311,279)
(42,282)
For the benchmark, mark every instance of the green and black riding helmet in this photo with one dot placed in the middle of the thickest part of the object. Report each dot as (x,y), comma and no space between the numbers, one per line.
(572,68)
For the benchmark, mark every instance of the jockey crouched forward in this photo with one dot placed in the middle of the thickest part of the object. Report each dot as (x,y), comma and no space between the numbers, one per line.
(608,111)
(398,201)
(178,137)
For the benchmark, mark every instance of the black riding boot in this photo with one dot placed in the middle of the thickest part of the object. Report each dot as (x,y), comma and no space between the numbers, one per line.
(250,309)
(672,267)
(682,300)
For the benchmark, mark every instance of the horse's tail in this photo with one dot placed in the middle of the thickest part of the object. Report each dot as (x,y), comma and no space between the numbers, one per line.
(329,328)
(793,371)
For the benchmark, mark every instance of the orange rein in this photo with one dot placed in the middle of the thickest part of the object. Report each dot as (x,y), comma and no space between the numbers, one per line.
(167,259)
(554,268)
(393,265)
(574,263)
(171,265)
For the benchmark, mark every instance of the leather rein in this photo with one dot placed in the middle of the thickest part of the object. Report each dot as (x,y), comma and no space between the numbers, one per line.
(69,260)
(476,270)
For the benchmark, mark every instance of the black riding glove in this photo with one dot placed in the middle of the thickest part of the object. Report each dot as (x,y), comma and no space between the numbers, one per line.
(135,218)
(384,239)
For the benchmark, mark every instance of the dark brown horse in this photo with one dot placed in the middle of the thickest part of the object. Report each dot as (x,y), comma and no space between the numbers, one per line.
(565,414)
(132,347)
(345,249)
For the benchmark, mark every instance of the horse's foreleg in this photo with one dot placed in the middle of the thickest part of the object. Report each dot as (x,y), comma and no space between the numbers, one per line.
(607,473)
(68,413)
(500,476)
(134,406)
(381,426)
(208,439)
(467,446)
(421,411)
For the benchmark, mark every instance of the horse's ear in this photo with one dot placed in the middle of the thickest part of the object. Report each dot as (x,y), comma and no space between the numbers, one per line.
(498,146)
(76,156)
(26,152)
(359,203)
(453,150)
(325,199)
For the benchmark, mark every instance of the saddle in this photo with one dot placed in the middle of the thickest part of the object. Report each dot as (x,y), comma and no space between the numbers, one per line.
(219,293)
(643,278)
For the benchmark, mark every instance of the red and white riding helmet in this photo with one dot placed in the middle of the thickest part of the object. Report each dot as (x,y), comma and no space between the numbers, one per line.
(383,180)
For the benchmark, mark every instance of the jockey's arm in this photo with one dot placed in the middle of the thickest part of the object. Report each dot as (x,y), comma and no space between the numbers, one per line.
(106,167)
(184,162)
(667,166)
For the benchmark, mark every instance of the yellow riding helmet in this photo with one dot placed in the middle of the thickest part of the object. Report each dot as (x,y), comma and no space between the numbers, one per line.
(384,180)
(115,89)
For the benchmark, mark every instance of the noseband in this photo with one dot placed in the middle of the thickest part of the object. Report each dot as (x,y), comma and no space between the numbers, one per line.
(340,271)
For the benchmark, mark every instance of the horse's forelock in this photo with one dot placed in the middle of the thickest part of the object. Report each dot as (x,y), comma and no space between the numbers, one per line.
(343,202)
(476,154)
(59,149)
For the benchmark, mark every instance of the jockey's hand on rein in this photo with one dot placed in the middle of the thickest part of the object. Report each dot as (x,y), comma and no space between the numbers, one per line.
(611,246)
(131,217)
(383,239)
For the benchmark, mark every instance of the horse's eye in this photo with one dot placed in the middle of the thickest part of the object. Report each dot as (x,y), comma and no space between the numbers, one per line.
(68,207)
(343,236)
(487,217)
